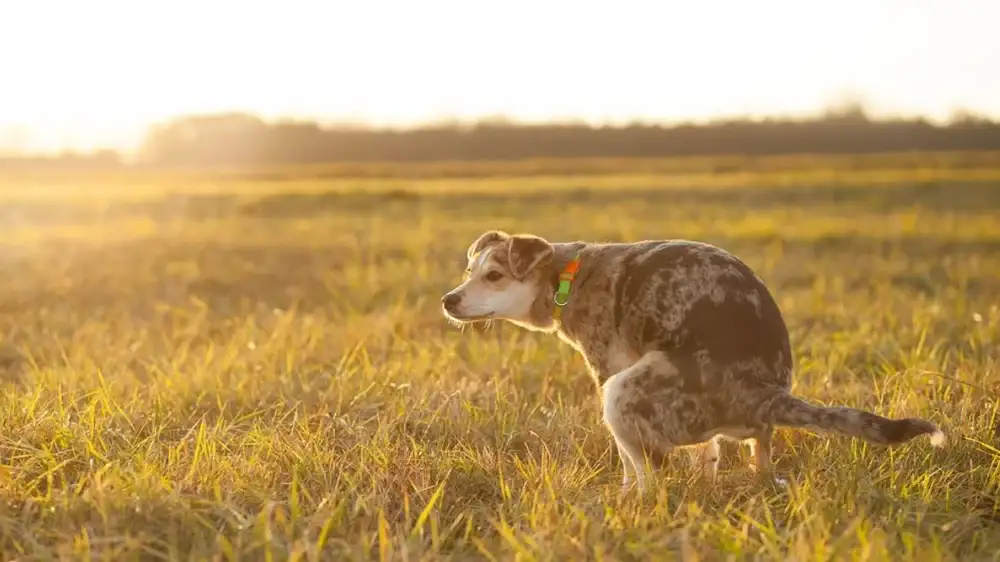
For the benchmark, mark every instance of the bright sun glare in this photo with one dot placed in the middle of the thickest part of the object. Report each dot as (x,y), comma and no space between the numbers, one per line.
(95,73)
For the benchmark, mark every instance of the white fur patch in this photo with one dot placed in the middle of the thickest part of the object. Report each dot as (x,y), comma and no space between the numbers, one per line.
(938,438)
(483,258)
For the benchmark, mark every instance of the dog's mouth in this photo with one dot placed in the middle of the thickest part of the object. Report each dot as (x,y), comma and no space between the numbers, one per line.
(467,319)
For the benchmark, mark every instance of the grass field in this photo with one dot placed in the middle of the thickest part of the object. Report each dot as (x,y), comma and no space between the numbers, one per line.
(254,365)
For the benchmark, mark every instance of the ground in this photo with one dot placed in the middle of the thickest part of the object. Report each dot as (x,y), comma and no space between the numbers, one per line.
(240,365)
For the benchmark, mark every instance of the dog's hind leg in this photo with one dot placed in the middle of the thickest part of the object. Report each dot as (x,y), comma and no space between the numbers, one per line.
(648,413)
(761,451)
(705,457)
(622,424)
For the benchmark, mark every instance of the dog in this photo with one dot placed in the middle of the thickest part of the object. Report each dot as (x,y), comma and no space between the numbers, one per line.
(685,341)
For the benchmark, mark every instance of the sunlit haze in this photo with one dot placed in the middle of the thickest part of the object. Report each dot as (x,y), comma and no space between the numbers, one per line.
(96,73)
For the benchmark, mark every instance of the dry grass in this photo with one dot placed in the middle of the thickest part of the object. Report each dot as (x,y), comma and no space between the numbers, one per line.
(258,368)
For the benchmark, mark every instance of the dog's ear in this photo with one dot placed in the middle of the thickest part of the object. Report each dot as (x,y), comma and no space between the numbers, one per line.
(484,240)
(527,253)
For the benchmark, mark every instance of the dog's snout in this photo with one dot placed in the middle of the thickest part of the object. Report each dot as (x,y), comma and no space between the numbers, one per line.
(451,300)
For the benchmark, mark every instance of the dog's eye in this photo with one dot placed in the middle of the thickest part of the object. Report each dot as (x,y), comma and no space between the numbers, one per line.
(494,276)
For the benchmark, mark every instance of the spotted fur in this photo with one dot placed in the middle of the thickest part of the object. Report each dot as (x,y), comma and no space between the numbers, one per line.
(685,341)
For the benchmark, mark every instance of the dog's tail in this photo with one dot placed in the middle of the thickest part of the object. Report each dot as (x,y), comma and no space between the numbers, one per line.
(789,411)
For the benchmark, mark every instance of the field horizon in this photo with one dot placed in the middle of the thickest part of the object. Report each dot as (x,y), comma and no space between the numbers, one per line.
(252,364)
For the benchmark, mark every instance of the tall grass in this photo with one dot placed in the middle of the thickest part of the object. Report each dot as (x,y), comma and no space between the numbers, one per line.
(259,371)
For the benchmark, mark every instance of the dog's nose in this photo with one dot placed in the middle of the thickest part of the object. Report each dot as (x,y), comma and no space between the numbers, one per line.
(450,300)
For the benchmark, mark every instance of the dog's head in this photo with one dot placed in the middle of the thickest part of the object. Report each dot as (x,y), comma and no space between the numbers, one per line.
(505,279)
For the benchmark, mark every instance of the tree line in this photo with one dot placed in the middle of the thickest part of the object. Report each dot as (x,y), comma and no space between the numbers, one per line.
(240,140)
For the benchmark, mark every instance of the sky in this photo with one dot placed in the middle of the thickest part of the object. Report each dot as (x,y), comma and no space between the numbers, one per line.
(86,74)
